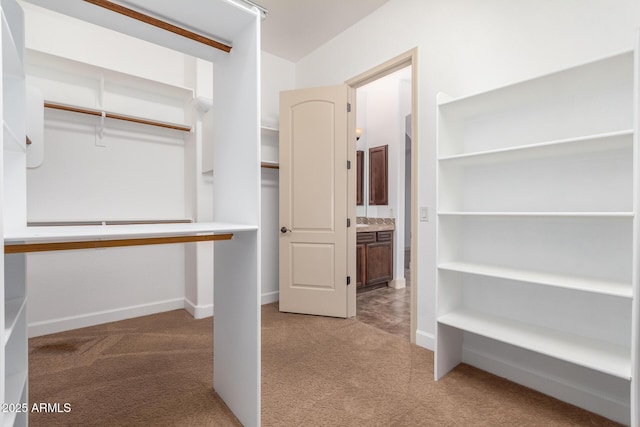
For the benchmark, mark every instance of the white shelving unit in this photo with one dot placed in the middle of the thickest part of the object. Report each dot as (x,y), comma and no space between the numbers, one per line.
(236,115)
(13,321)
(537,233)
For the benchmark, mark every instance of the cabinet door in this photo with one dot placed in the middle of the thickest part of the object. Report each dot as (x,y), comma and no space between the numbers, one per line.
(378,175)
(379,262)
(361,265)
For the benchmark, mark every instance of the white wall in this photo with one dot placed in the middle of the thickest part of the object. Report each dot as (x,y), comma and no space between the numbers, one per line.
(378,117)
(277,75)
(467,46)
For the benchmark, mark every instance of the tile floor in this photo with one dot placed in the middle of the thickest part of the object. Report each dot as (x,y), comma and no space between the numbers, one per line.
(386,308)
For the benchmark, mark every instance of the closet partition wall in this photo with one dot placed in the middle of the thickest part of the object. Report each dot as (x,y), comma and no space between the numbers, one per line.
(236,175)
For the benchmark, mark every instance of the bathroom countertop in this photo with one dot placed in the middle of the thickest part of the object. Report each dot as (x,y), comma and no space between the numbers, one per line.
(361,228)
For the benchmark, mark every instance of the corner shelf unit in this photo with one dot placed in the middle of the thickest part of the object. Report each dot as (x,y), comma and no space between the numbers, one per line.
(538,233)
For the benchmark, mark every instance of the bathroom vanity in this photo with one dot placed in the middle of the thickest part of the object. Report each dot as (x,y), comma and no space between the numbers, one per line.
(374,254)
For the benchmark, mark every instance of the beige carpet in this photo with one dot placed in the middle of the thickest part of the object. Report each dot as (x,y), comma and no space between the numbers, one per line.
(157,371)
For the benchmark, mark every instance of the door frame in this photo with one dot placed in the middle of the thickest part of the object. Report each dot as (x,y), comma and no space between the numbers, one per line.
(408,58)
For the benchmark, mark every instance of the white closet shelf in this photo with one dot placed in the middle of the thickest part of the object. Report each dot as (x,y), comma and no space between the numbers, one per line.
(593,354)
(564,147)
(37,61)
(574,79)
(572,282)
(603,215)
(13,307)
(95,236)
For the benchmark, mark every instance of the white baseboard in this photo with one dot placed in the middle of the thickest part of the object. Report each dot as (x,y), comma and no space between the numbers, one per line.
(270,297)
(560,388)
(62,324)
(399,283)
(198,311)
(90,319)
(425,340)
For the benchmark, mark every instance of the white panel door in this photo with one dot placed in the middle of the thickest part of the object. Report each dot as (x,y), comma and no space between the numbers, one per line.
(315,254)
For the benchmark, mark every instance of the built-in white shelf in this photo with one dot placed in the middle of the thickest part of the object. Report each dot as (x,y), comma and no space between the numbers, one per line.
(12,310)
(36,59)
(564,147)
(578,283)
(571,80)
(628,215)
(537,231)
(593,354)
(107,90)
(46,234)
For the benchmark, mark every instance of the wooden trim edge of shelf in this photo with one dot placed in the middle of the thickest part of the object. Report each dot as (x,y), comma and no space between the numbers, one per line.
(113,243)
(116,116)
(150,20)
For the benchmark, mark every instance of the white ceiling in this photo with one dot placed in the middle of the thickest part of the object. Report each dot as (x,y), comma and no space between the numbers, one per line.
(295,28)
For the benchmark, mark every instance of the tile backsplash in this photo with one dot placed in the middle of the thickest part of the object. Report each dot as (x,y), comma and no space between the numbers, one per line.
(366,220)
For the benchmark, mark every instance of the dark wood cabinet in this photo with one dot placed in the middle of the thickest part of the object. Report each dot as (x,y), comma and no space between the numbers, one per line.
(378,175)
(374,258)
(361,264)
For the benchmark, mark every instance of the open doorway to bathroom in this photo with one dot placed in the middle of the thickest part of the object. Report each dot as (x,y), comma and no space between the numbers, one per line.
(385,105)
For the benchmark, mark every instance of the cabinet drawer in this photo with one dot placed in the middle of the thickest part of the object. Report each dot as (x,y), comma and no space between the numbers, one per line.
(385,236)
(366,237)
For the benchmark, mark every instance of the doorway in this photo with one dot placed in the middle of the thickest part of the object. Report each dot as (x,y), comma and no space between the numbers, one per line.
(393,308)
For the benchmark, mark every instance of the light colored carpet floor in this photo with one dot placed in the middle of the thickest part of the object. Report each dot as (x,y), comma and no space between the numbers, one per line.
(316,371)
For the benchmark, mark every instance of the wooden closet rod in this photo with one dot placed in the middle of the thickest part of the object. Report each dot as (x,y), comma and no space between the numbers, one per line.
(159,24)
(116,116)
(20,248)
(268,165)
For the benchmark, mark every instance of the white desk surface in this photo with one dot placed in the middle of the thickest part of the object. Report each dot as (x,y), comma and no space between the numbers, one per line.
(46,234)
